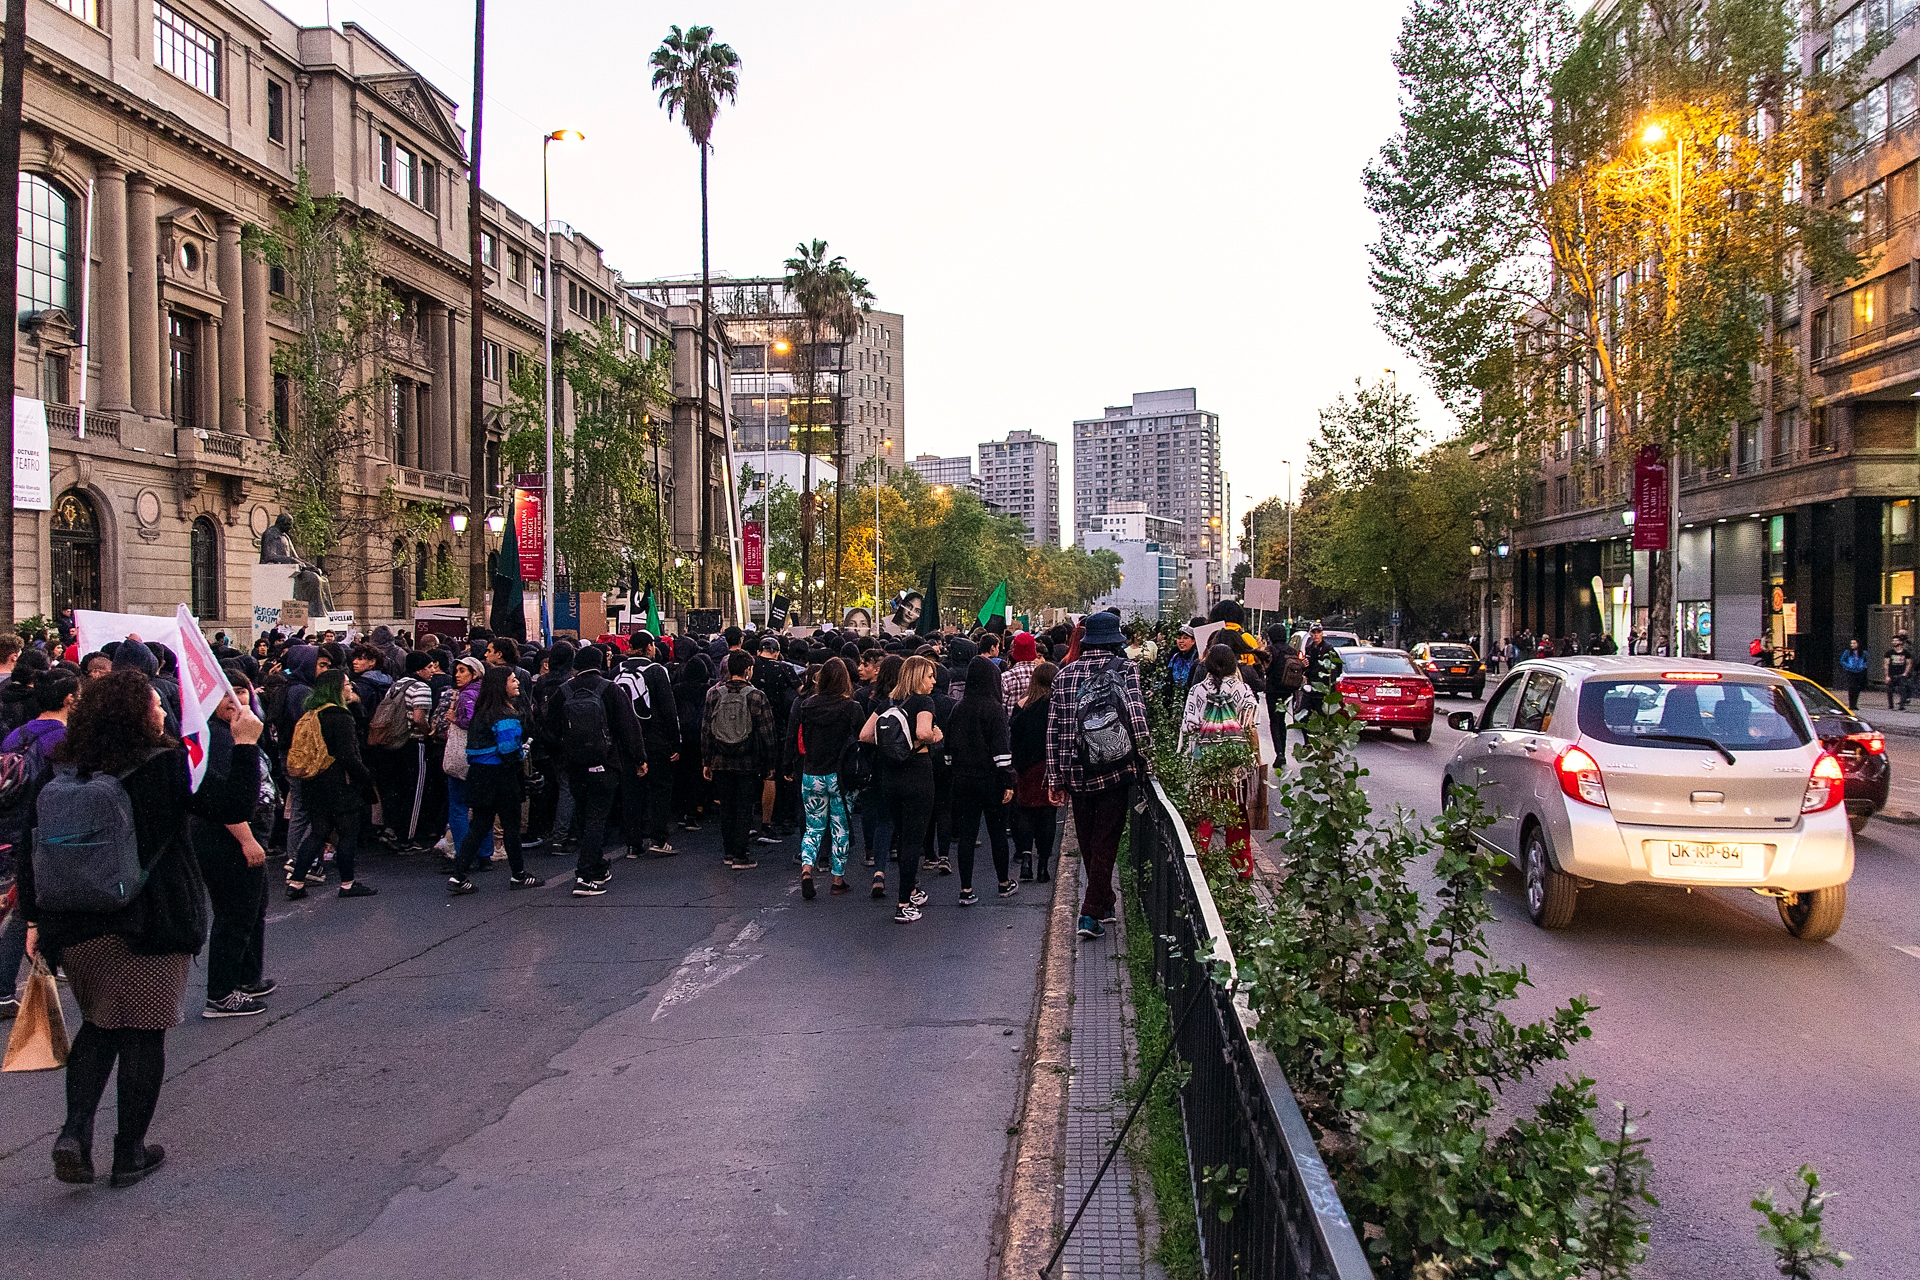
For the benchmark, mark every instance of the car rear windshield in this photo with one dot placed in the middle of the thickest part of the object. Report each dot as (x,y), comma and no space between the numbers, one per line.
(1738,716)
(1818,701)
(1378,664)
(1450,651)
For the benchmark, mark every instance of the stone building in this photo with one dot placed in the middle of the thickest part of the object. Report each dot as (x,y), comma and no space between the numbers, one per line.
(158,131)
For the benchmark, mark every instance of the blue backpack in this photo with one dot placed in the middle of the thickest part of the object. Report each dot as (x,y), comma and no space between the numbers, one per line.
(85,854)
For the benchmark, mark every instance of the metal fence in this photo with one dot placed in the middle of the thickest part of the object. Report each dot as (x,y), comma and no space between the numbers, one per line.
(1287,1222)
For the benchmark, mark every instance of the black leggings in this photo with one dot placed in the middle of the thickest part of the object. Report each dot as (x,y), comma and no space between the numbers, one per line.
(1033,833)
(143,1066)
(906,804)
(974,798)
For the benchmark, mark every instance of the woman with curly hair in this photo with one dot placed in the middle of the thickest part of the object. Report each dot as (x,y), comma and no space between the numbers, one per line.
(128,967)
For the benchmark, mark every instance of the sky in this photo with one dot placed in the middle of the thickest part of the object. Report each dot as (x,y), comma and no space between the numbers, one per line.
(1069,202)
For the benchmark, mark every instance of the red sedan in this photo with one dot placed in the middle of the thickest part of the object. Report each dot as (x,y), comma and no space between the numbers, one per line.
(1385,691)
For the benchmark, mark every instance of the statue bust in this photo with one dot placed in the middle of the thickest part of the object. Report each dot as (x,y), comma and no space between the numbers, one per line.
(276,546)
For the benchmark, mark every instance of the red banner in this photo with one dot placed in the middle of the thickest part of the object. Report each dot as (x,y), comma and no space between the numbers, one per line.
(755,573)
(529,528)
(1650,500)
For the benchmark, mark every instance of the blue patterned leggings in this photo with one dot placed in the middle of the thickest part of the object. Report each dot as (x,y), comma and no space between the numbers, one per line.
(824,803)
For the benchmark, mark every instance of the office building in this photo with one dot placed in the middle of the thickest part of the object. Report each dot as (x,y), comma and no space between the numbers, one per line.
(954,473)
(1152,567)
(1020,476)
(1162,450)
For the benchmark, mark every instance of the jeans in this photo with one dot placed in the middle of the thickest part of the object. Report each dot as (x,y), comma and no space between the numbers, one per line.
(297,820)
(505,805)
(739,805)
(1035,832)
(906,805)
(1099,819)
(593,793)
(401,773)
(974,798)
(345,828)
(826,816)
(1899,686)
(457,809)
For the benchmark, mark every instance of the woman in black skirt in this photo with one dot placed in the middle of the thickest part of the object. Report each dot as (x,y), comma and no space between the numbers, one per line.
(128,968)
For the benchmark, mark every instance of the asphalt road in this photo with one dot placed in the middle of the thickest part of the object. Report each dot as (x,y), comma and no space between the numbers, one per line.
(698,1074)
(1753,1052)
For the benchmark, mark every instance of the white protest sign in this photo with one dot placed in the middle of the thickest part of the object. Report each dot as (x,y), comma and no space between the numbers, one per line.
(202,683)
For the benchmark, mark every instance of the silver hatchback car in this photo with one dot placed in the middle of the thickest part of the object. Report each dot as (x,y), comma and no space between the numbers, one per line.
(1651,771)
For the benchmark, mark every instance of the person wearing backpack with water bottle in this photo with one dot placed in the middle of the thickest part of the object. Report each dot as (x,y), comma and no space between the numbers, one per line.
(115,898)
(594,733)
(1097,739)
(739,747)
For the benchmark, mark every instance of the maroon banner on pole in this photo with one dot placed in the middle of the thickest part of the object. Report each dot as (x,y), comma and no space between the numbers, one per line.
(755,572)
(1650,500)
(529,528)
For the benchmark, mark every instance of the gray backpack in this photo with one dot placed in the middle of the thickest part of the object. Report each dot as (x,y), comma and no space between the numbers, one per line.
(85,854)
(733,714)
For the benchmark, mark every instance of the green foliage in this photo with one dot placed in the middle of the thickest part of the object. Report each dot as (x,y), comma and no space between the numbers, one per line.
(36,627)
(1795,1234)
(446,580)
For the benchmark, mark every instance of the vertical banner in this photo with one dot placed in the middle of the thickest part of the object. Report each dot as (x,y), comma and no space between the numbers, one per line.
(32,465)
(756,552)
(1650,500)
(529,524)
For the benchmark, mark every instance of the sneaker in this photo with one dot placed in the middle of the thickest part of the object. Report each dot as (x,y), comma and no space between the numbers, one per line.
(1110,918)
(1090,928)
(661,850)
(1010,888)
(765,838)
(525,880)
(1026,868)
(905,914)
(587,888)
(941,865)
(602,878)
(689,825)
(234,1004)
(1041,876)
(358,889)
(807,890)
(879,887)
(967,898)
(295,891)
(318,875)
(744,863)
(455,885)
(264,987)
(9,1008)
(918,897)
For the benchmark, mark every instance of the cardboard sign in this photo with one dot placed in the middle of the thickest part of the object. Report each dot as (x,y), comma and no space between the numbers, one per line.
(703,622)
(777,618)
(1263,594)
(293,613)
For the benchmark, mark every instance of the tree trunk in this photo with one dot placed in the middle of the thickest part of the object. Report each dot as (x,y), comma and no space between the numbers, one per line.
(13,68)
(476,305)
(700,431)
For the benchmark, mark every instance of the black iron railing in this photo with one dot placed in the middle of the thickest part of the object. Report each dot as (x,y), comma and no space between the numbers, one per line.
(1286,1222)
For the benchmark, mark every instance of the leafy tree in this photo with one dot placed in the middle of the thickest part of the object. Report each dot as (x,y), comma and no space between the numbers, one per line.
(1796,1234)
(1586,222)
(338,379)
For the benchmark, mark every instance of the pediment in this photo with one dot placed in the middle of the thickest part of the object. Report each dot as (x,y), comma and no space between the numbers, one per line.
(191,220)
(415,101)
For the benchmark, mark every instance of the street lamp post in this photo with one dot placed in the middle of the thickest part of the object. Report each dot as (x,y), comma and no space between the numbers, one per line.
(546,502)
(1653,136)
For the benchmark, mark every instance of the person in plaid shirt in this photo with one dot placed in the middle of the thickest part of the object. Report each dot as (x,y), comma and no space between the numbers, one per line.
(1099,799)
(1015,679)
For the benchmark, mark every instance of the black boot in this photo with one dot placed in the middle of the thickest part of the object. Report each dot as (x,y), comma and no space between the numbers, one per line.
(132,1162)
(73,1157)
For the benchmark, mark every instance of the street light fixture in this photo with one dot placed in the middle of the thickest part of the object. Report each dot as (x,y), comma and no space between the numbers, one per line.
(457,521)
(496,524)
(546,503)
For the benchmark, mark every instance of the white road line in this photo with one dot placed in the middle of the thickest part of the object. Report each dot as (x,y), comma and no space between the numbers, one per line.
(1912,951)
(707,967)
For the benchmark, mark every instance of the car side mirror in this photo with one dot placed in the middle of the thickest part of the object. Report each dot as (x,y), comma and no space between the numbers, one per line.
(1463,721)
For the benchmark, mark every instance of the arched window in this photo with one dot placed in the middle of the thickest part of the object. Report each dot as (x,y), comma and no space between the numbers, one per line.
(399,600)
(442,560)
(76,553)
(46,244)
(420,554)
(204,559)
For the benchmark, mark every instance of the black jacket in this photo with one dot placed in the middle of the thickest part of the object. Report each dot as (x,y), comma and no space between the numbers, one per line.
(827,725)
(1029,734)
(661,728)
(623,727)
(978,738)
(345,785)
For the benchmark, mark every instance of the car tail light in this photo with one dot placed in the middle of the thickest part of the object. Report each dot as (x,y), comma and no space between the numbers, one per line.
(1433,666)
(1826,785)
(1873,742)
(1345,686)
(1689,675)
(1580,777)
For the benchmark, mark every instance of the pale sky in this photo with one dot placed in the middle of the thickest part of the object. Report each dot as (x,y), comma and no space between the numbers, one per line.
(1069,202)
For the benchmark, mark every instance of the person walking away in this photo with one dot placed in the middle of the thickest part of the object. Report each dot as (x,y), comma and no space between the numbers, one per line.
(827,722)
(233,864)
(1853,672)
(1025,652)
(128,966)
(597,736)
(553,814)
(739,748)
(937,843)
(692,793)
(403,716)
(1034,816)
(774,676)
(496,734)
(34,744)
(1219,716)
(1097,740)
(879,672)
(335,787)
(905,778)
(1899,671)
(647,800)
(980,745)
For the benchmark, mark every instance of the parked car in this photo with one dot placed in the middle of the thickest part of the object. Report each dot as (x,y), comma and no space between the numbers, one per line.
(1638,770)
(1452,668)
(1860,748)
(1385,692)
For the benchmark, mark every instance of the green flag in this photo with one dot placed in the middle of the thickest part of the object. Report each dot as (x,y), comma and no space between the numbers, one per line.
(653,613)
(996,605)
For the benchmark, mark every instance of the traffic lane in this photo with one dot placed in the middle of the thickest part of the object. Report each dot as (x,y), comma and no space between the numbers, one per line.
(1753,1051)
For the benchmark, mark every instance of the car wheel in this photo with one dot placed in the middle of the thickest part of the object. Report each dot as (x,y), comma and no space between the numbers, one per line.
(1814,916)
(1446,793)
(1422,732)
(1858,821)
(1550,895)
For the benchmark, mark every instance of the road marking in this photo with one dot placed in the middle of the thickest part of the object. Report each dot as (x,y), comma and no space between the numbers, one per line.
(1912,951)
(707,967)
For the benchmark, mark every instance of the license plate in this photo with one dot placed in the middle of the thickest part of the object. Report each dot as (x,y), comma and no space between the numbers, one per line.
(1459,671)
(1386,691)
(1696,855)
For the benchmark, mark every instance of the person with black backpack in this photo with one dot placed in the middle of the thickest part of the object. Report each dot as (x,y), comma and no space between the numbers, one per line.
(1097,740)
(595,735)
(739,747)
(647,801)
(903,727)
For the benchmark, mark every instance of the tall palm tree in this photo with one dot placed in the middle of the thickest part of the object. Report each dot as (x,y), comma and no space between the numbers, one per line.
(832,299)
(694,75)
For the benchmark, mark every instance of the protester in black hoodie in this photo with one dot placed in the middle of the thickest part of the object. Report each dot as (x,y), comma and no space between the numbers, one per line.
(647,801)
(692,792)
(550,808)
(595,734)
(978,740)
(826,723)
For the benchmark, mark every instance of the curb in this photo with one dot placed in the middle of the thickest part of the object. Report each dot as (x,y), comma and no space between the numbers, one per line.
(1038,1154)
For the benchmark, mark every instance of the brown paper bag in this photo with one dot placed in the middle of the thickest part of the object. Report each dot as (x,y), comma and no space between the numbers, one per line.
(39,1039)
(1261,817)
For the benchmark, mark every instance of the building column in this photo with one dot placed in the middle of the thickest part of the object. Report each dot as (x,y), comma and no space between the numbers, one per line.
(208,413)
(433,428)
(143,298)
(460,415)
(232,415)
(254,284)
(455,366)
(109,323)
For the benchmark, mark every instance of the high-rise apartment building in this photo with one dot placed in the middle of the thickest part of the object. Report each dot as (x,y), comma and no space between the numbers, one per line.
(1162,450)
(1020,476)
(955,473)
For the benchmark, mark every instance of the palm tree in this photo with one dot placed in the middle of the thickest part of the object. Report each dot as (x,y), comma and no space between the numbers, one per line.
(832,299)
(694,75)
